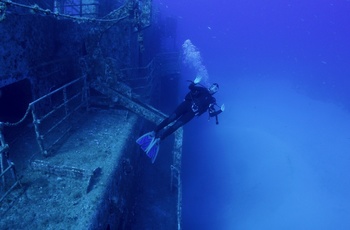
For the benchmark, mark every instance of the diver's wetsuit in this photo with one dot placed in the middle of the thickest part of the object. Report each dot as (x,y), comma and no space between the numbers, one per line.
(196,102)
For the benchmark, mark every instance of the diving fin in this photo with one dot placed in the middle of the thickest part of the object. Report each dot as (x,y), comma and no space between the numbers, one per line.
(145,140)
(153,149)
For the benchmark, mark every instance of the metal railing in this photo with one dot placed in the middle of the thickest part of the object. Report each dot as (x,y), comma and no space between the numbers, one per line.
(49,124)
(144,80)
(78,8)
(51,110)
(4,158)
(141,79)
(49,115)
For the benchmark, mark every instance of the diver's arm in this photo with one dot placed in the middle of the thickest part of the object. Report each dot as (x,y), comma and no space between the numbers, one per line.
(213,112)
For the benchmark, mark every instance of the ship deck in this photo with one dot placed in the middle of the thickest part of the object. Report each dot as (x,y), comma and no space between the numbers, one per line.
(97,179)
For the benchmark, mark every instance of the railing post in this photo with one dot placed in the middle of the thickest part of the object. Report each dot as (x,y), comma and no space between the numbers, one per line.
(36,123)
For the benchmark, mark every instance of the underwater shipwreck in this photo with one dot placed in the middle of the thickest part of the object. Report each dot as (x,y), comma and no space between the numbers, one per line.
(80,80)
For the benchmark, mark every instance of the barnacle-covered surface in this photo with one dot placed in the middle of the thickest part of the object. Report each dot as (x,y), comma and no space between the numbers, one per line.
(95,177)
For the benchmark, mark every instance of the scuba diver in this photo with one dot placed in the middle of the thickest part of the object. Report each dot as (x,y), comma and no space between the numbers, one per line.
(199,100)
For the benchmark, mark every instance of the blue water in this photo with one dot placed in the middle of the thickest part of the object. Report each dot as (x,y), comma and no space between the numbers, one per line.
(280,157)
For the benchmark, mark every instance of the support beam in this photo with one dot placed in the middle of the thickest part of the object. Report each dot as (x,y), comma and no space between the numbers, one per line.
(117,94)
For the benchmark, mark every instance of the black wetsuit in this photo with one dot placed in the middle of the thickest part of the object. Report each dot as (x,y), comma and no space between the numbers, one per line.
(196,102)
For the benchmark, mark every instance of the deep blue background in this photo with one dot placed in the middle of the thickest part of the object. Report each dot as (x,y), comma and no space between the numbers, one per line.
(304,40)
(280,157)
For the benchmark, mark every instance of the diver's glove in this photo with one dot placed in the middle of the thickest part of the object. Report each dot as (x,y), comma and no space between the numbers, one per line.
(197,80)
(222,107)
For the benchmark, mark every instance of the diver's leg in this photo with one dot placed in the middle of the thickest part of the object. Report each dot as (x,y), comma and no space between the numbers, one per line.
(180,122)
(166,122)
(175,115)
